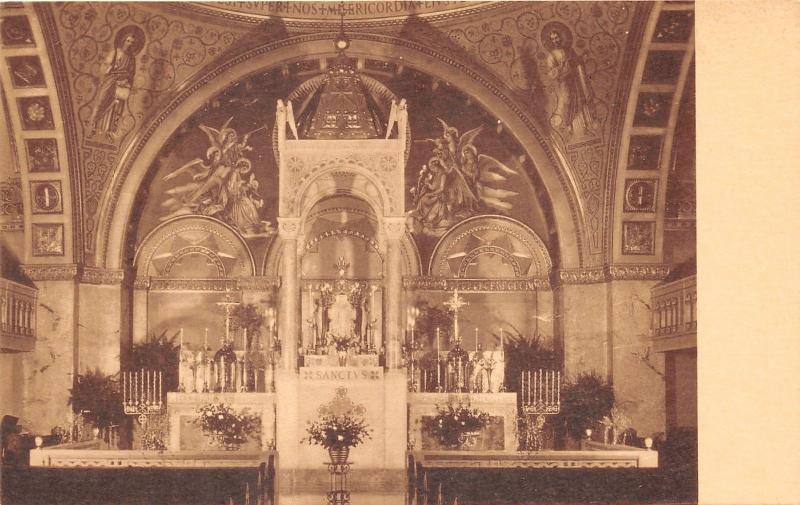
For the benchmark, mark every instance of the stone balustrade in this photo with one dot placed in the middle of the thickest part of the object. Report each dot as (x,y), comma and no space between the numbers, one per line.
(17,316)
(674,310)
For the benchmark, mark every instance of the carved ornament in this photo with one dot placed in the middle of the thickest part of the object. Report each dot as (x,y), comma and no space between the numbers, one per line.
(425,283)
(65,272)
(91,275)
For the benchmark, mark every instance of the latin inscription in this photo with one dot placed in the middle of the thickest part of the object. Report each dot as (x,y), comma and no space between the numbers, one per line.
(340,374)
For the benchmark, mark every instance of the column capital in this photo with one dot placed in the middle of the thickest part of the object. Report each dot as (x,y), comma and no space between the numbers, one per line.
(395,227)
(288,227)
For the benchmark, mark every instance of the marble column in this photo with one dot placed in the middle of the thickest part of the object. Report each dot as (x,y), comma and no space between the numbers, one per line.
(393,299)
(289,309)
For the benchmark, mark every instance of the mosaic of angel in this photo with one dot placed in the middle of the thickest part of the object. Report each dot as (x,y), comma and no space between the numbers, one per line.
(222,185)
(457,182)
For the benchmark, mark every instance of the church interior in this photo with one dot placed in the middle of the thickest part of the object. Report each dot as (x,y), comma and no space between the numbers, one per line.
(348,252)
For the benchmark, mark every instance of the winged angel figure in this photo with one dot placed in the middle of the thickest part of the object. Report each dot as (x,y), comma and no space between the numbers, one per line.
(221,185)
(457,182)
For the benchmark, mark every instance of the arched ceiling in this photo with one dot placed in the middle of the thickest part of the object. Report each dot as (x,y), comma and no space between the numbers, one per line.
(502,55)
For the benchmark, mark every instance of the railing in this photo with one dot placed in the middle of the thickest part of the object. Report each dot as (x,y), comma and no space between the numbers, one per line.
(674,309)
(17,316)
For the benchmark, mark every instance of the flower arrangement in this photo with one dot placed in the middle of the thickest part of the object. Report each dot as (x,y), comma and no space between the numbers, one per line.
(338,431)
(453,421)
(228,428)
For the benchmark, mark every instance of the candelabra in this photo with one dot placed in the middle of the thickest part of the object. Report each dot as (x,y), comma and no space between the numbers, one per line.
(541,396)
(142,393)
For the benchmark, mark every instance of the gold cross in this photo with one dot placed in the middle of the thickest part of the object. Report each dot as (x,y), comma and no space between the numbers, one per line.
(455,302)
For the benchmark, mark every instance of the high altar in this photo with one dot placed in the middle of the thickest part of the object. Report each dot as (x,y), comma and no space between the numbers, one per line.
(341,165)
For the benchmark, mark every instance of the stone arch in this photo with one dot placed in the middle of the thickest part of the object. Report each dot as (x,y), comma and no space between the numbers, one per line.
(628,176)
(518,247)
(135,162)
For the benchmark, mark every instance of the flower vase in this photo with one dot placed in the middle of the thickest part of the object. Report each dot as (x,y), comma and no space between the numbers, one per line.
(339,455)
(342,355)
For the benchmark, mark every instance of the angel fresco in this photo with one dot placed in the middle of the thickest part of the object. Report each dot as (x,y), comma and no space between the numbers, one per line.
(222,184)
(457,182)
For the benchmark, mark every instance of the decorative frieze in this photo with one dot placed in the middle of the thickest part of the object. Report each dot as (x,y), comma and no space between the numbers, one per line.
(637,272)
(160,284)
(63,272)
(582,275)
(633,272)
(475,285)
(259,283)
(91,275)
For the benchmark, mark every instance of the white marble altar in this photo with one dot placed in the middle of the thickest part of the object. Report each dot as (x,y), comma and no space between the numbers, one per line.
(182,410)
(498,405)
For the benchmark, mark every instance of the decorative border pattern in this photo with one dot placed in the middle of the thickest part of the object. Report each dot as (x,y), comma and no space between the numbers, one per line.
(66,272)
(426,283)
(257,283)
(91,275)
(632,272)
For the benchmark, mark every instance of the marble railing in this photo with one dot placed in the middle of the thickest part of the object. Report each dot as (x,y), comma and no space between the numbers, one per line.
(674,312)
(17,316)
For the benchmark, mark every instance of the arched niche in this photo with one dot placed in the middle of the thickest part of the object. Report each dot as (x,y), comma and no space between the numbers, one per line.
(341,227)
(502,269)
(184,268)
(490,247)
(196,247)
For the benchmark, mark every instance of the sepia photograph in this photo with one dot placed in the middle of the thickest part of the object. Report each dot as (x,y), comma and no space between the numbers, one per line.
(361,252)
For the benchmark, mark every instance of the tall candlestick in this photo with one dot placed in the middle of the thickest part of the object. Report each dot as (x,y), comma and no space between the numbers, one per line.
(412,334)
(476,340)
(438,348)
(160,392)
(205,341)
(244,339)
(501,338)
(181,347)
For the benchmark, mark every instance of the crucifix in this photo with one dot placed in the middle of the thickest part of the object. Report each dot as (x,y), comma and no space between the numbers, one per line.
(227,306)
(454,304)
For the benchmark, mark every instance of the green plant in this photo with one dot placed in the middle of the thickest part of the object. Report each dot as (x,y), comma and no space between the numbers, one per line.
(454,420)
(250,317)
(159,353)
(227,427)
(617,423)
(523,353)
(338,431)
(584,401)
(96,396)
